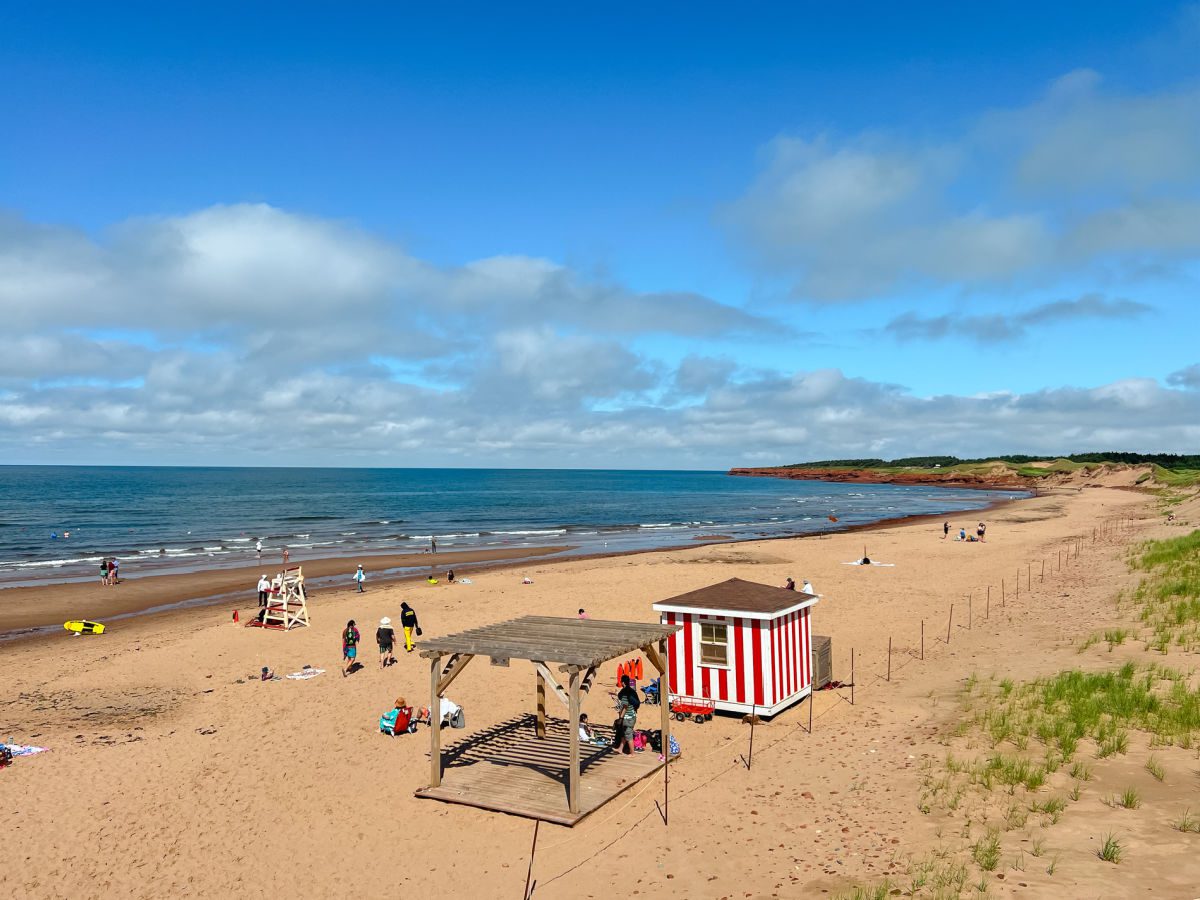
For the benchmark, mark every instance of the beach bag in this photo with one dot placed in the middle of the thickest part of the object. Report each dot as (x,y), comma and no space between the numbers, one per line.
(459,719)
(674,744)
(6,756)
(639,740)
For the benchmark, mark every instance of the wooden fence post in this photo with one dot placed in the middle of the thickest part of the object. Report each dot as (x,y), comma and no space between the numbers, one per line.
(970,614)
(922,639)
(948,623)
(889,675)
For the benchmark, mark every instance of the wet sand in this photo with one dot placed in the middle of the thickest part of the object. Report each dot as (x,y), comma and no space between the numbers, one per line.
(33,607)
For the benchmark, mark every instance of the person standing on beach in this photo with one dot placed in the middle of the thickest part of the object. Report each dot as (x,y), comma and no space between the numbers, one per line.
(433,545)
(945,530)
(359,577)
(981,530)
(264,590)
(350,638)
(104,572)
(113,572)
(258,547)
(285,556)
(627,710)
(408,620)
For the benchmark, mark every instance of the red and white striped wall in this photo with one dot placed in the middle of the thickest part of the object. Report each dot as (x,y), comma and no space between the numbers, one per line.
(770,658)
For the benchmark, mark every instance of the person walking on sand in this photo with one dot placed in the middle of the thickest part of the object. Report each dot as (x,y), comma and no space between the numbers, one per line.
(945,530)
(264,590)
(359,577)
(385,637)
(408,620)
(350,638)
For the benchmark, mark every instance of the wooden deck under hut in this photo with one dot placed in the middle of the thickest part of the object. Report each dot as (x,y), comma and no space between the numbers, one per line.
(535,766)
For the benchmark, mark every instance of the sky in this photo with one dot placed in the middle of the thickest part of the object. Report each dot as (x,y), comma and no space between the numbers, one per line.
(688,237)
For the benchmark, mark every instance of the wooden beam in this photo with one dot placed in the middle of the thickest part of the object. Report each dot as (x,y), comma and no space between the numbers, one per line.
(435,723)
(540,728)
(654,658)
(573,771)
(457,663)
(586,684)
(548,677)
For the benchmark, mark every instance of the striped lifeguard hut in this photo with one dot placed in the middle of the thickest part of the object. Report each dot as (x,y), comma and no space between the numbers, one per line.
(745,646)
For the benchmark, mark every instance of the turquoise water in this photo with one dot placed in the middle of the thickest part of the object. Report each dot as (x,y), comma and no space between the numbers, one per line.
(182,518)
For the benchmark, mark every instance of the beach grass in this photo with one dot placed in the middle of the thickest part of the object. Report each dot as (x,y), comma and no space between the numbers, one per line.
(1168,596)
(1111,849)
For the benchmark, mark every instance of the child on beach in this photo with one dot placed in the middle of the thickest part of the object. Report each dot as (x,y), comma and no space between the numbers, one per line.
(945,530)
(350,638)
(359,577)
(104,572)
(408,620)
(385,636)
(587,735)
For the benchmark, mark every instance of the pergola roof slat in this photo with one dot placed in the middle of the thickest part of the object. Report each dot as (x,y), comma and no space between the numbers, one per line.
(574,642)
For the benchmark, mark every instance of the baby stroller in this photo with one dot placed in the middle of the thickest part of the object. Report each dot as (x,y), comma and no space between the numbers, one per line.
(651,693)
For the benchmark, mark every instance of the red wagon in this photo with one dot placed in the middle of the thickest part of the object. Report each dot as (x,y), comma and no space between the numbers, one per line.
(699,710)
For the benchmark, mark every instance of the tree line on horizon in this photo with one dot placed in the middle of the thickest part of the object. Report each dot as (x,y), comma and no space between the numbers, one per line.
(1165,460)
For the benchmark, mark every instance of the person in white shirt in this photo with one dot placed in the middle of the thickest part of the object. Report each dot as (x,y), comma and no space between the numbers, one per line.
(264,590)
(450,711)
(808,588)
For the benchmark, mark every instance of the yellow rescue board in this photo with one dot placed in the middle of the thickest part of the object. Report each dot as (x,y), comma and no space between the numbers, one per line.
(84,627)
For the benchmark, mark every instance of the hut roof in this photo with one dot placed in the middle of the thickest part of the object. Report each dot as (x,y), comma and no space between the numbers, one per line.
(736,595)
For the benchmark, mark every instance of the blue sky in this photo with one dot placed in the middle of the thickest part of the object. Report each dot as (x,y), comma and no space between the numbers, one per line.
(515,236)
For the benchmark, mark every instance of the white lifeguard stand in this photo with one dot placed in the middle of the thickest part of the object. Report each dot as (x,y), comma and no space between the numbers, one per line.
(287,605)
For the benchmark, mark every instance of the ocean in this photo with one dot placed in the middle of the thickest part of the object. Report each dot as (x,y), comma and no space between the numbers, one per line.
(57,522)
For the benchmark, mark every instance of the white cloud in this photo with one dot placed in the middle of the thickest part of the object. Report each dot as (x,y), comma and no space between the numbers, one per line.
(221,337)
(1079,177)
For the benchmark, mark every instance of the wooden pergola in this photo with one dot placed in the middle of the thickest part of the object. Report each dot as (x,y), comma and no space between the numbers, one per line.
(578,647)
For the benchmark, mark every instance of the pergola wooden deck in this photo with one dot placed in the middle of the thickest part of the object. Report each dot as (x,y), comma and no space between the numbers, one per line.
(523,766)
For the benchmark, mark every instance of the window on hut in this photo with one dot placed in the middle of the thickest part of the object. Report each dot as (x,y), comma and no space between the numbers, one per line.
(714,643)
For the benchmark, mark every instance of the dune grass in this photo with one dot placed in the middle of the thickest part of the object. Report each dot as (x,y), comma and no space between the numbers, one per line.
(1168,597)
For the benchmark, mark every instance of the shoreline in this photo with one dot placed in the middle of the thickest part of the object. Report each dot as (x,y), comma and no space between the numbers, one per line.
(211,588)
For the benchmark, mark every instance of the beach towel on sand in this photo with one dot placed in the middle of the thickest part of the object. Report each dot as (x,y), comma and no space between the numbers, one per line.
(19,750)
(306,673)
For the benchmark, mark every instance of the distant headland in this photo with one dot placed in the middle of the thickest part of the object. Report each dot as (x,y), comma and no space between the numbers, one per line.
(1116,469)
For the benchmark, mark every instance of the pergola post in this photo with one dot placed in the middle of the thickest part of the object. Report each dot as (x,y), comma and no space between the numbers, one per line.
(435,722)
(573,771)
(541,705)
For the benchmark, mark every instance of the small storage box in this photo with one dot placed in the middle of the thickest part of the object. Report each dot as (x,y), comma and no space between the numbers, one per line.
(822,651)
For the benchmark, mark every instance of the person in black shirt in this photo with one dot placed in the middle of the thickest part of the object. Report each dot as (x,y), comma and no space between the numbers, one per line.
(385,637)
(627,707)
(408,620)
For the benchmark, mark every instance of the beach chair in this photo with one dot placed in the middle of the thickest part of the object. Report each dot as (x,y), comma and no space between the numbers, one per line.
(398,721)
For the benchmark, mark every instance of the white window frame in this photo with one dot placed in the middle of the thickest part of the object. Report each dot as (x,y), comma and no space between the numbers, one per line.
(700,643)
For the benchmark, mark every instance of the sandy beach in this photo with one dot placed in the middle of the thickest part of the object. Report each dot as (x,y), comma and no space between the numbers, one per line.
(173,771)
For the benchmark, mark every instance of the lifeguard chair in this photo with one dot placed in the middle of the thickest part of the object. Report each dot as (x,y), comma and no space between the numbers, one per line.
(287,605)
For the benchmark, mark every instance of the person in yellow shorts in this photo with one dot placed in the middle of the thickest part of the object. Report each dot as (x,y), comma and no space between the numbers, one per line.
(408,619)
